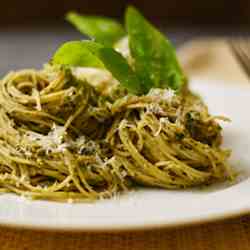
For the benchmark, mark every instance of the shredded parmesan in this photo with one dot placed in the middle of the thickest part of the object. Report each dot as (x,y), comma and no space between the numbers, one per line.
(162,94)
(101,79)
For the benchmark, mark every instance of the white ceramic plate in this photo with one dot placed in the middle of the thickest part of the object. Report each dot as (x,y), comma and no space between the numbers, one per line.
(150,208)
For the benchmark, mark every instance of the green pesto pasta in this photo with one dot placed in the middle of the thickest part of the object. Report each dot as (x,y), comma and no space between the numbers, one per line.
(63,139)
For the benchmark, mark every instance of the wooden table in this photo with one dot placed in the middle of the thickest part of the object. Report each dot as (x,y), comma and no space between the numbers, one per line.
(233,234)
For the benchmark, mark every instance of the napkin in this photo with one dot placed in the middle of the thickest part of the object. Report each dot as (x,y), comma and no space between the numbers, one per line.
(211,59)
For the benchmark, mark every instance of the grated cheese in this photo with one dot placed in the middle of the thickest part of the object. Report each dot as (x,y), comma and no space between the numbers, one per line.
(162,94)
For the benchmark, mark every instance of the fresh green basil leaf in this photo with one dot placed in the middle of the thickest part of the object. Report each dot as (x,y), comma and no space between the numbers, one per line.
(92,54)
(104,30)
(120,69)
(75,53)
(117,65)
(154,56)
(92,46)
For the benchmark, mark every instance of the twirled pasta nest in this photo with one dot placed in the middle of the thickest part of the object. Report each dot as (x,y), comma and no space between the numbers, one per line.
(61,139)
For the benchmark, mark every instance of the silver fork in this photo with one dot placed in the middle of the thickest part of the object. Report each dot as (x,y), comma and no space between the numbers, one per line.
(241,50)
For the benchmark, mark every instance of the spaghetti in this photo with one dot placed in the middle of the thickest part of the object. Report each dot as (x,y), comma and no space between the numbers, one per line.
(62,139)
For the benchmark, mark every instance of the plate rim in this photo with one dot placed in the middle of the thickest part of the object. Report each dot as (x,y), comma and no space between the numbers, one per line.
(213,218)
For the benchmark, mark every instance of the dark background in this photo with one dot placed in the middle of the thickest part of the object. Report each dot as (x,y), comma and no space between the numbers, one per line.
(163,11)
(31,30)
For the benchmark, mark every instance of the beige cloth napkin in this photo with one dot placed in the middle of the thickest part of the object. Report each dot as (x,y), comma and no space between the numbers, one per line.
(207,59)
(211,59)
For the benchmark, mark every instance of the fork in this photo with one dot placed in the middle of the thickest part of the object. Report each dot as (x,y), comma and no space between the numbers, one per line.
(241,50)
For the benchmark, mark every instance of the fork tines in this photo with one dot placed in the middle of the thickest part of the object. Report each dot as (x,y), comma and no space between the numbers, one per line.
(241,50)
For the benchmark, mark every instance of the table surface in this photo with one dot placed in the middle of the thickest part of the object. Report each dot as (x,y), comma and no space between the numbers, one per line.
(29,47)
(229,235)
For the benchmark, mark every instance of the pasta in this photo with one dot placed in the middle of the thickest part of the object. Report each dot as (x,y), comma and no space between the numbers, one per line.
(63,139)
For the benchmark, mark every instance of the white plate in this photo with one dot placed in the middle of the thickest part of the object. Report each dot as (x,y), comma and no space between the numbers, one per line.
(150,208)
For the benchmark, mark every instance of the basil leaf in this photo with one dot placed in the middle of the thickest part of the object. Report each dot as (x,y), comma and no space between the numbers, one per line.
(120,69)
(104,30)
(75,53)
(155,59)
(117,65)
(92,54)
(92,46)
